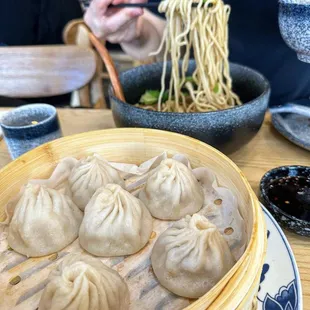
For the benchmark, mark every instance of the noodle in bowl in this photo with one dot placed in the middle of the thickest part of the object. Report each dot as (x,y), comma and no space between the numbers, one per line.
(203,30)
(227,130)
(203,97)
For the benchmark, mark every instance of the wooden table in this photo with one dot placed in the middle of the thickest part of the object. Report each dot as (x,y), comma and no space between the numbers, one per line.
(266,151)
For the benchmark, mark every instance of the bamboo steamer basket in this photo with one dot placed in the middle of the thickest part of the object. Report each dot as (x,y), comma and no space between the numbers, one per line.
(238,288)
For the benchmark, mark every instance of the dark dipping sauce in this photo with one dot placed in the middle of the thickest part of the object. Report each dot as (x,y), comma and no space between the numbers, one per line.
(291,195)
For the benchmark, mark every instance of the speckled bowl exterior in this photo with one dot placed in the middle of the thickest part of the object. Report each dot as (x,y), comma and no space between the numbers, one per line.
(226,130)
(21,136)
(286,220)
(294,22)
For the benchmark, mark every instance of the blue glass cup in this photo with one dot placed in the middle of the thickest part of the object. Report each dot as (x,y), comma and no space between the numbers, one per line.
(29,126)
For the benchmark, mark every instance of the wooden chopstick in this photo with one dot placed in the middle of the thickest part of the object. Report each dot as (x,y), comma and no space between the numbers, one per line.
(110,66)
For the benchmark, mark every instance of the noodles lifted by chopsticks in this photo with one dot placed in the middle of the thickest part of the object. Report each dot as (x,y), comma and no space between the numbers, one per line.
(205,31)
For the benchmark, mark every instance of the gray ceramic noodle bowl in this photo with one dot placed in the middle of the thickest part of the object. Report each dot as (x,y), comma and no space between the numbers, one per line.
(226,130)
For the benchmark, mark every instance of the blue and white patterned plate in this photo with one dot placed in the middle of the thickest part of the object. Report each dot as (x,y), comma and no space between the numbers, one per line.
(280,287)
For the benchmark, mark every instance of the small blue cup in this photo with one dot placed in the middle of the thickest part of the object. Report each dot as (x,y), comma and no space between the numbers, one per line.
(29,126)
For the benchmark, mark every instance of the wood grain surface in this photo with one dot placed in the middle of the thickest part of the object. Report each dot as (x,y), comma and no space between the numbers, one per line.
(266,151)
(42,71)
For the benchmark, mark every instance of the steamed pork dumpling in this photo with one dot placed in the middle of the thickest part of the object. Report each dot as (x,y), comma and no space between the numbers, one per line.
(89,175)
(190,257)
(115,223)
(44,221)
(85,283)
(172,191)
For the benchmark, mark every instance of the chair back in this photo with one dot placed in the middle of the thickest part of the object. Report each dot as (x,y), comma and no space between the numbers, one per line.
(45,71)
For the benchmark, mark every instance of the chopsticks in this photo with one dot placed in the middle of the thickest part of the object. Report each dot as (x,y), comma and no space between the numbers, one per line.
(150,5)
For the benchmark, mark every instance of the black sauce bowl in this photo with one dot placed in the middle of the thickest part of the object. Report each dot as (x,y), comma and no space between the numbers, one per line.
(287,221)
(226,130)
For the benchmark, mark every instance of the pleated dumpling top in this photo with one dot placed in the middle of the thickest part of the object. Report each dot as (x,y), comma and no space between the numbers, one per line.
(115,223)
(191,256)
(85,283)
(172,191)
(90,174)
(44,221)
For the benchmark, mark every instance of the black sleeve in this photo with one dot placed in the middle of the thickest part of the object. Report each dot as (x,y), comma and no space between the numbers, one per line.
(18,22)
(155,11)
(31,22)
(53,16)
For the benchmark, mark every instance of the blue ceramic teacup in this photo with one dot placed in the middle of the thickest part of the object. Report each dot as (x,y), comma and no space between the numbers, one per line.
(294,22)
(29,126)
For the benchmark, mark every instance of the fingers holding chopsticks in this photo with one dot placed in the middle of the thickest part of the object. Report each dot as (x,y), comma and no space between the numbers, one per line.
(111,24)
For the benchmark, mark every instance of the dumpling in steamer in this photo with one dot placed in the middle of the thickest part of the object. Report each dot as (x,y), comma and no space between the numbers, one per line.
(191,256)
(172,191)
(44,221)
(115,223)
(84,282)
(90,174)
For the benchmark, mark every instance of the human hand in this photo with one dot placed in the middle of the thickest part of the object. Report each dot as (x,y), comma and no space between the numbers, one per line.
(111,24)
